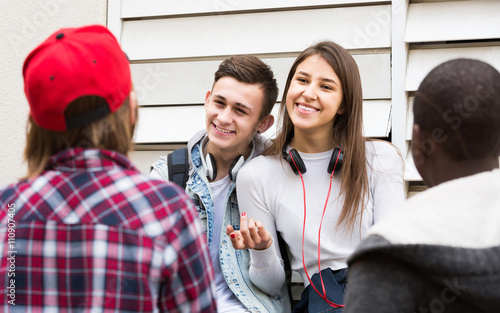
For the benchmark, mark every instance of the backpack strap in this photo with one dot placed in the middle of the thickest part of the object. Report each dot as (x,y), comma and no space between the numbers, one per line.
(178,167)
(174,167)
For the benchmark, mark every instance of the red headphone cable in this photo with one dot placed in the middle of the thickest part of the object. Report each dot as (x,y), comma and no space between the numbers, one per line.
(323,296)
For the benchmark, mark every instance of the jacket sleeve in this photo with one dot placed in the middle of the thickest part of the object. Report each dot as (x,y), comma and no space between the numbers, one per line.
(155,175)
(159,169)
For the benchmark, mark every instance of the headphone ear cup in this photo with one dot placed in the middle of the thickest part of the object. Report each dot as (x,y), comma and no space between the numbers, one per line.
(211,167)
(298,166)
(235,167)
(336,161)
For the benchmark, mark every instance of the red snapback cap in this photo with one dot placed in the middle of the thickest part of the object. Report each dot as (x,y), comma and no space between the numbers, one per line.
(72,63)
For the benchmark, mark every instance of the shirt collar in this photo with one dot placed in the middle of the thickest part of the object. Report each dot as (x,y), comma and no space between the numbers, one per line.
(90,160)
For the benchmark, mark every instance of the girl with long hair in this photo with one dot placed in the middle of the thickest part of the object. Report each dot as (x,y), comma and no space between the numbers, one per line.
(320,185)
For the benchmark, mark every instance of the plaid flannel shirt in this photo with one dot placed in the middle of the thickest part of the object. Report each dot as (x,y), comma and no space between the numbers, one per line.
(91,234)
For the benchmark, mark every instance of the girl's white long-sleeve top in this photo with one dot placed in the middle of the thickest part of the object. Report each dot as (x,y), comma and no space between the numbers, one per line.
(270,192)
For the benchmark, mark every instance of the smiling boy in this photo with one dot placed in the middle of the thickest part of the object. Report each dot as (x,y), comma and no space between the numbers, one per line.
(238,110)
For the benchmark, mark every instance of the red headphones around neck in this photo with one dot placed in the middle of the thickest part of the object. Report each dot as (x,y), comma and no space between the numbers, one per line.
(293,158)
(297,164)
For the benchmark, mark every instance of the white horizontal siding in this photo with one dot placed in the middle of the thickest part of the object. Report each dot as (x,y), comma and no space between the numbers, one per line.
(421,62)
(183,42)
(375,71)
(409,118)
(411,173)
(175,83)
(150,8)
(454,20)
(376,118)
(256,33)
(176,124)
(169,124)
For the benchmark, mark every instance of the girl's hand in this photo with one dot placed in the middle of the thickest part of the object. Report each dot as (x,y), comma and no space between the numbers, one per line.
(252,235)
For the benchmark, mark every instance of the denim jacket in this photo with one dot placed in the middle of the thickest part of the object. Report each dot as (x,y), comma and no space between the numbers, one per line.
(234,263)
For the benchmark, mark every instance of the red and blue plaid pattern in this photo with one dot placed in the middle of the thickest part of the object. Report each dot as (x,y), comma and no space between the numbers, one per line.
(94,235)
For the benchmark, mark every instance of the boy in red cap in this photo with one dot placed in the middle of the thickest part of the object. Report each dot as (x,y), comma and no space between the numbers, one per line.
(85,230)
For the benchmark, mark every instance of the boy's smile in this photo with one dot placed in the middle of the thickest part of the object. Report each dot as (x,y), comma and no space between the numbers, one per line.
(233,115)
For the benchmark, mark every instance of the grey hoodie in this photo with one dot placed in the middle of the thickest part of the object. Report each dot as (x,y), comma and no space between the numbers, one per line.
(439,253)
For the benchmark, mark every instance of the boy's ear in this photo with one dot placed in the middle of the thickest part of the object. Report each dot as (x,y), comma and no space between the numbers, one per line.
(265,123)
(418,146)
(132,107)
(207,97)
(415,135)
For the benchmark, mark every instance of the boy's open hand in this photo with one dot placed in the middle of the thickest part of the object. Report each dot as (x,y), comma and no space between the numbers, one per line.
(252,235)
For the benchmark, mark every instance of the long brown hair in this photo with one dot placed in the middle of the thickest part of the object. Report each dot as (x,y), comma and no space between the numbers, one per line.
(347,129)
(113,132)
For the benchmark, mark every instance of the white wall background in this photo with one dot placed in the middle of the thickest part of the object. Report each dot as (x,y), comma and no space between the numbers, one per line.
(175,48)
(174,53)
(23,25)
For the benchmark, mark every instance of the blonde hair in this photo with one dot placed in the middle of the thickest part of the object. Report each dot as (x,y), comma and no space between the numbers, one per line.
(113,132)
